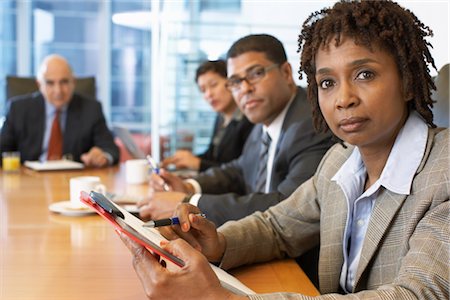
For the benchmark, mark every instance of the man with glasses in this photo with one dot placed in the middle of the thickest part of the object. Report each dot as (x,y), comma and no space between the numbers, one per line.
(281,153)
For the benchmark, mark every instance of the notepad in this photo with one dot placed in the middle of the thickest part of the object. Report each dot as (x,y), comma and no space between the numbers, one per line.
(54,165)
(151,238)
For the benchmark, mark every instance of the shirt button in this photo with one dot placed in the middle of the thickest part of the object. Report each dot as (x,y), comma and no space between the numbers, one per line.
(360,222)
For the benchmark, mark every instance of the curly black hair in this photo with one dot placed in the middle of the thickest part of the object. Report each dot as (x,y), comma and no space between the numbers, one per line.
(380,23)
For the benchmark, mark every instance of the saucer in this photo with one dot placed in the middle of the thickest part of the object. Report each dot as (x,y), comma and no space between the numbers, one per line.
(66,208)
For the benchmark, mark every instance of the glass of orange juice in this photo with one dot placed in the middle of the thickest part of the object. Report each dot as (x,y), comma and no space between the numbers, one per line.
(11,161)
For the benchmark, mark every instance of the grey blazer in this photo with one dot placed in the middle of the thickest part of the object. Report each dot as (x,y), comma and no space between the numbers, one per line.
(228,190)
(405,254)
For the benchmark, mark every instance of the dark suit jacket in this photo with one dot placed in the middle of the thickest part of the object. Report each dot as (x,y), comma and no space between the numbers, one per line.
(231,145)
(85,127)
(228,190)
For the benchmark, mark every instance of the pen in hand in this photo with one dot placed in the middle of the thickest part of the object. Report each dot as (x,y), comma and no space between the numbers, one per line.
(155,168)
(166,222)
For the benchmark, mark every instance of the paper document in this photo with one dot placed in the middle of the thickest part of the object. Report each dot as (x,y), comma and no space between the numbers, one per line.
(54,165)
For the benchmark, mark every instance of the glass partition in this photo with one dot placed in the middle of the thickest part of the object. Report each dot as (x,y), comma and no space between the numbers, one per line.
(144,53)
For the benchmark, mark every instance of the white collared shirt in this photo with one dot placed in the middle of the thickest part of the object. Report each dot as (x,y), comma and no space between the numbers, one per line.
(397,177)
(274,131)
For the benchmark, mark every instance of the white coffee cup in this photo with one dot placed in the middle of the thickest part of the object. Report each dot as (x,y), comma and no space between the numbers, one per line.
(84,184)
(136,171)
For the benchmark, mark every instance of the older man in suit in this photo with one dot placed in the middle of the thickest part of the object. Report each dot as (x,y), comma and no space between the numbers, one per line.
(56,122)
(260,78)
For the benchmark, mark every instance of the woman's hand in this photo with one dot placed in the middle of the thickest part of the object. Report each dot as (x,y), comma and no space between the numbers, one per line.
(198,231)
(196,280)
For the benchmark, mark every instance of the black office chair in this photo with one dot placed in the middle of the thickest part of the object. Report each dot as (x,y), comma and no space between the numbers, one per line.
(16,86)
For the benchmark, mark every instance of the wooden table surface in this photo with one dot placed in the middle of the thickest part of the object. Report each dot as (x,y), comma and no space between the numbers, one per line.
(44,255)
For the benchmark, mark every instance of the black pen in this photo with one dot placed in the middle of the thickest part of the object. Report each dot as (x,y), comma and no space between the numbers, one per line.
(166,222)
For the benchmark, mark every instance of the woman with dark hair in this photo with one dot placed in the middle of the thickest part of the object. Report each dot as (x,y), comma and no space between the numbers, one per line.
(231,127)
(378,204)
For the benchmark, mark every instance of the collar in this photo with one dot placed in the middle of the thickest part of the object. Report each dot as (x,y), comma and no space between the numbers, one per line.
(399,171)
(237,117)
(50,109)
(274,129)
(411,139)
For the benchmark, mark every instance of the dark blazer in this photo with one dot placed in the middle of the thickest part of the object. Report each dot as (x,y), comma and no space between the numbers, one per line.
(228,190)
(231,145)
(85,127)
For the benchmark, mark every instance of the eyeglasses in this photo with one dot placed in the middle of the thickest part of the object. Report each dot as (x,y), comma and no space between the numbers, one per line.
(254,75)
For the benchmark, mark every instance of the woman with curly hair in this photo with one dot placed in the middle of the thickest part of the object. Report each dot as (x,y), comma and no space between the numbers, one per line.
(378,204)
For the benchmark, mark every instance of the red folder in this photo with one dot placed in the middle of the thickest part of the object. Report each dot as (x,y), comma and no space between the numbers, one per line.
(129,225)
(150,238)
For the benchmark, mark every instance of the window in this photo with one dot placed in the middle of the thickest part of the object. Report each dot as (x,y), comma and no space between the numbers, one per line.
(144,58)
(8,34)
(84,33)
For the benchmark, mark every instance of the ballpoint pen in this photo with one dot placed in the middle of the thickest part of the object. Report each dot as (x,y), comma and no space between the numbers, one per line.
(166,222)
(155,168)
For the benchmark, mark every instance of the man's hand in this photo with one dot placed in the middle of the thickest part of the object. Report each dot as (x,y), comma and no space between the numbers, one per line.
(94,158)
(183,159)
(198,231)
(196,280)
(159,205)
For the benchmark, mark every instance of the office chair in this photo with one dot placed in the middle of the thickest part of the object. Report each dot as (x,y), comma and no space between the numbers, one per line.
(129,142)
(16,86)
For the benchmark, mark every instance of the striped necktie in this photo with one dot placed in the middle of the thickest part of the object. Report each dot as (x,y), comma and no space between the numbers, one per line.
(55,144)
(262,169)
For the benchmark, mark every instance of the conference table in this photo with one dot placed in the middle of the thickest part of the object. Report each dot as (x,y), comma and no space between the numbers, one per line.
(46,255)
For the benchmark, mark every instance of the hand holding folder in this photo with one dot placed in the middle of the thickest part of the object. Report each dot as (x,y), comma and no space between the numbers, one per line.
(195,281)
(136,234)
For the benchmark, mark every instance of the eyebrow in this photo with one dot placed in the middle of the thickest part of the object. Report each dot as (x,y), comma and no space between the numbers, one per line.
(63,80)
(355,63)
(363,61)
(246,71)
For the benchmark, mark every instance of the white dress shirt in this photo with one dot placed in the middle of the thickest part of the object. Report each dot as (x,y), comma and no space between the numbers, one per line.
(351,178)
(274,131)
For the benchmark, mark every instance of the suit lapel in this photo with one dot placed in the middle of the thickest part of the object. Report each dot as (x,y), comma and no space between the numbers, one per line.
(332,236)
(291,117)
(228,136)
(72,125)
(384,211)
(38,125)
